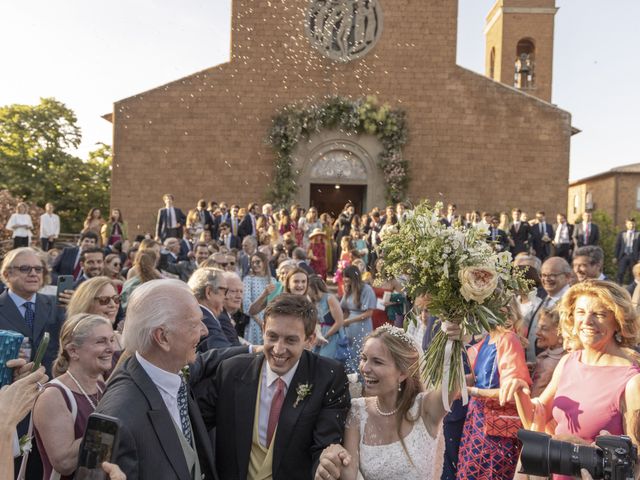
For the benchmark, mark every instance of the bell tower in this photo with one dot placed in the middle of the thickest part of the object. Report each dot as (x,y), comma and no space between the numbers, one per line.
(519,45)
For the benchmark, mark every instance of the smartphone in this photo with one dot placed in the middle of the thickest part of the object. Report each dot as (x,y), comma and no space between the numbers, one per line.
(42,348)
(65,282)
(98,445)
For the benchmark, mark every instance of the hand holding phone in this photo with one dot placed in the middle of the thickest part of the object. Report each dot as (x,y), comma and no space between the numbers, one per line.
(65,285)
(98,446)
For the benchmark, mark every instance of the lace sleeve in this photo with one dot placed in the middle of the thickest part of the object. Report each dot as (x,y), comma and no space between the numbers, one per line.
(357,417)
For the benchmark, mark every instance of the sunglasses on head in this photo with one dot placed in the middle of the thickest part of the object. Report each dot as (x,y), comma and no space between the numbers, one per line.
(105,300)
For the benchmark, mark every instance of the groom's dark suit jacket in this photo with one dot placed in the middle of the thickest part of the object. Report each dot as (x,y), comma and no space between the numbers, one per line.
(148,446)
(303,432)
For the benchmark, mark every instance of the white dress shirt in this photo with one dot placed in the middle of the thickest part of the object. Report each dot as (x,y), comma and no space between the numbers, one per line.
(267,390)
(167,384)
(49,225)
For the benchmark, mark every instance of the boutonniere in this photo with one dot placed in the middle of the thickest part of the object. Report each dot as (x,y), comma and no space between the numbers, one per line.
(184,372)
(25,444)
(303,390)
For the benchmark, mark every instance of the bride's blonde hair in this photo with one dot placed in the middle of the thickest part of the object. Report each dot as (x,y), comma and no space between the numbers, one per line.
(407,359)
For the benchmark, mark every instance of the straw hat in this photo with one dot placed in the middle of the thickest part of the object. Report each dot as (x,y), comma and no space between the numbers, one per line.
(316,232)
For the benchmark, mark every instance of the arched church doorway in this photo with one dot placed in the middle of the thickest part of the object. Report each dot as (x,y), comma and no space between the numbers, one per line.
(332,198)
(335,168)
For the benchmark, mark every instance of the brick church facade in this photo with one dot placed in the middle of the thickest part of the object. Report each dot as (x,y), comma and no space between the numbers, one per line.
(483,143)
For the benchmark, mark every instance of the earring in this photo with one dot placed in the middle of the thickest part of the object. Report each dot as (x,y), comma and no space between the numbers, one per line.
(399,386)
(618,337)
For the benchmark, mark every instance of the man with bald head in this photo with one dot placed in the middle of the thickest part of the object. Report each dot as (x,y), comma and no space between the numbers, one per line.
(555,275)
(162,433)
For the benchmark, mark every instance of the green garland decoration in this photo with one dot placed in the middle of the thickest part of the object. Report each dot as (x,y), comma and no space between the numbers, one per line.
(366,116)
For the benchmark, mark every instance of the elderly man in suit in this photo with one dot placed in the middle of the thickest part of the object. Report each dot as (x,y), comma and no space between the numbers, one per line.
(162,432)
(170,220)
(23,309)
(209,286)
(276,412)
(68,262)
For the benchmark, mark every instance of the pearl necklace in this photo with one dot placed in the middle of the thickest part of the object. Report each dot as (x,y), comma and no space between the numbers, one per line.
(83,391)
(385,414)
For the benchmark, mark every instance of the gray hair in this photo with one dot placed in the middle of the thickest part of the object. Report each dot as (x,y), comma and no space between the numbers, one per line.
(203,278)
(525,257)
(594,252)
(154,304)
(232,276)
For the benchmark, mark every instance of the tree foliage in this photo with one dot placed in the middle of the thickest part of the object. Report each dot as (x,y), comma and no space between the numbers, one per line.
(35,141)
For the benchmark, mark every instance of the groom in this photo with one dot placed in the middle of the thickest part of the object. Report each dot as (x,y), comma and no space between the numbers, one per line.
(276,412)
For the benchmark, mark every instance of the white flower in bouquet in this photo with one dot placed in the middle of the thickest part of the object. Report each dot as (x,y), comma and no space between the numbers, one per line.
(477,283)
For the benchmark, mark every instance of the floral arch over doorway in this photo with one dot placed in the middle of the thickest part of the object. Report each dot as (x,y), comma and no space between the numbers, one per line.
(363,116)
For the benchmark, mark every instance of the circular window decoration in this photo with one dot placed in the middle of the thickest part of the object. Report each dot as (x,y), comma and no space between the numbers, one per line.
(344,30)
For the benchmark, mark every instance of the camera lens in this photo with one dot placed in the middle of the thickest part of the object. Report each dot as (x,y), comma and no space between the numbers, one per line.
(567,459)
(543,456)
(535,453)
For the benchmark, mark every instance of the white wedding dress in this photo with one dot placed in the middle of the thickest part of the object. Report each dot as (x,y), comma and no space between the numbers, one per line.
(390,461)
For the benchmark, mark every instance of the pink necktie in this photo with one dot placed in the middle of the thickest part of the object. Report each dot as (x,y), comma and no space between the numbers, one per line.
(274,411)
(586,234)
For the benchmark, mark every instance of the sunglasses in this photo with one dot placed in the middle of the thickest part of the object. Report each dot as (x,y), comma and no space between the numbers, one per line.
(26,269)
(105,300)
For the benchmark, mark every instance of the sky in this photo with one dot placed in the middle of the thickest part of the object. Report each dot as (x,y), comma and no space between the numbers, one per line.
(91,53)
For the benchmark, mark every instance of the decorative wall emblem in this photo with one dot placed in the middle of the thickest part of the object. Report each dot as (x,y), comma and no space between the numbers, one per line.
(344,30)
(339,164)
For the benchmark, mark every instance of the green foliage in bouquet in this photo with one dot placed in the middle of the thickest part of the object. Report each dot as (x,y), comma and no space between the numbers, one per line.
(362,116)
(464,280)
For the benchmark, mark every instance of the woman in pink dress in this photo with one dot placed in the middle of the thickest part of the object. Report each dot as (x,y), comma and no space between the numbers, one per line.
(596,387)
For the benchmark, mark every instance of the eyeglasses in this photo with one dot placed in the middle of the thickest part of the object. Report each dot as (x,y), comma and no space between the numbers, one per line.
(224,290)
(256,262)
(27,269)
(551,276)
(105,300)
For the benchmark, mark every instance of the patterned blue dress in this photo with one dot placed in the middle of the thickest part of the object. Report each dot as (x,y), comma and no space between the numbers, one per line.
(325,318)
(253,288)
(356,332)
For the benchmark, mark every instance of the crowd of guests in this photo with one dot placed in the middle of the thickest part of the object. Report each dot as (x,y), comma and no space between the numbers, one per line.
(280,318)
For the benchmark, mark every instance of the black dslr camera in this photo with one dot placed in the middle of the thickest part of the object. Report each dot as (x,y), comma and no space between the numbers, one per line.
(613,458)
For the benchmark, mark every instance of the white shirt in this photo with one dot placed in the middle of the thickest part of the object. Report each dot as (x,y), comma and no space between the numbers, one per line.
(168,385)
(562,234)
(49,225)
(267,390)
(19,219)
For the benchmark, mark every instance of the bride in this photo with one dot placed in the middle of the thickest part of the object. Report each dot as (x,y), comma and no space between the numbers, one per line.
(392,432)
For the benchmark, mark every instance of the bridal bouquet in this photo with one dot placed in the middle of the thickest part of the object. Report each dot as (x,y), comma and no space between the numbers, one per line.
(463,279)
